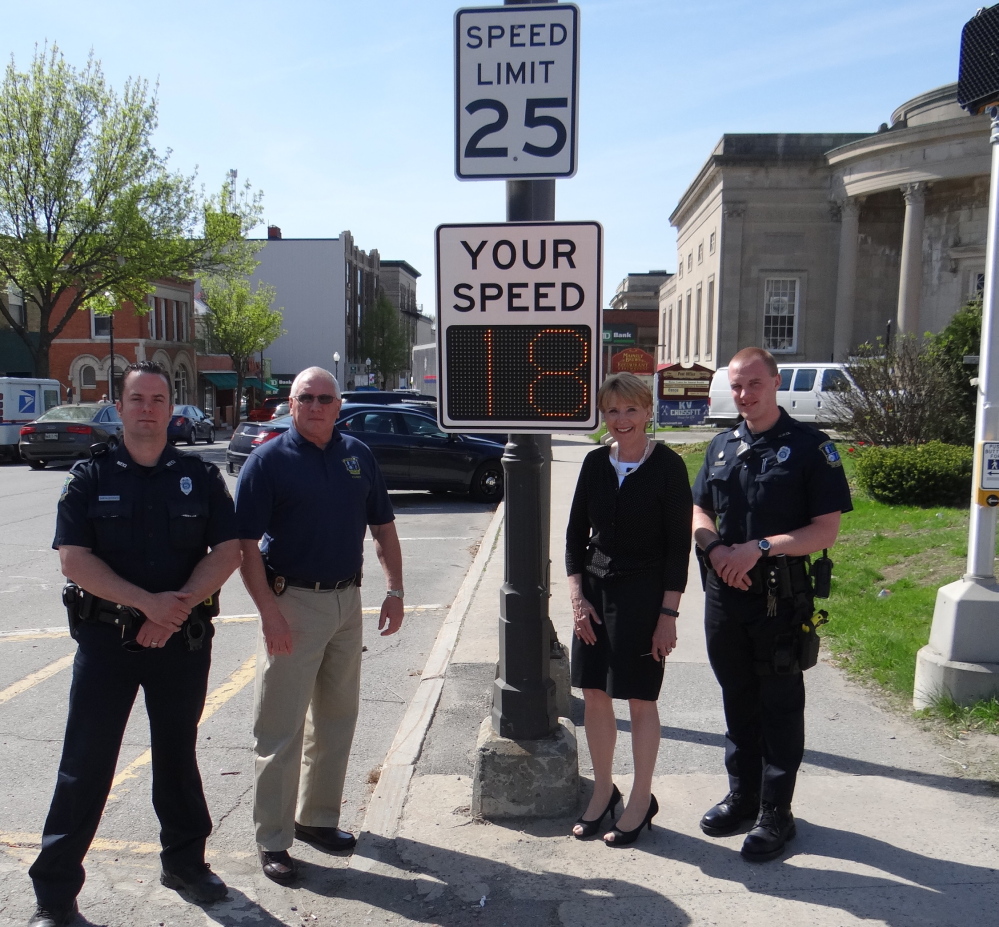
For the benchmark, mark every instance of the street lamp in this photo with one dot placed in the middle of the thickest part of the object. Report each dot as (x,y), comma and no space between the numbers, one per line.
(336,367)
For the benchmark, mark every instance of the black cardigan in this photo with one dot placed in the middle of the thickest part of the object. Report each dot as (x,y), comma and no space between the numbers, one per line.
(643,525)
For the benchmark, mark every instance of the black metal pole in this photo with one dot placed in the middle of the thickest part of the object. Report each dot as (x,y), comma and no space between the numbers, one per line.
(523,693)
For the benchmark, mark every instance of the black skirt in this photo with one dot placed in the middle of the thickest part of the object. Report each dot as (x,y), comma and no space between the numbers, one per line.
(619,662)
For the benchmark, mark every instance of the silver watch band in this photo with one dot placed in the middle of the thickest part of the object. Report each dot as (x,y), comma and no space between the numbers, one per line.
(398,593)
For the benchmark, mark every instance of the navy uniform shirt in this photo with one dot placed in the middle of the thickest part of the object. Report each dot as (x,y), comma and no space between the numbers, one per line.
(311,505)
(770,483)
(150,525)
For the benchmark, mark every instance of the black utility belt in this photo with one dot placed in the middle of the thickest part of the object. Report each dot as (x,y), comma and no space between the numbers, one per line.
(279,583)
(763,577)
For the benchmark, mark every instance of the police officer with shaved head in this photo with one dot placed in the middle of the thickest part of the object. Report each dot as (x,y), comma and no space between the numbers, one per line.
(147,536)
(769,495)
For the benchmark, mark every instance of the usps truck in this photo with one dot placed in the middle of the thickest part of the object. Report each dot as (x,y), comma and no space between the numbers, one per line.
(22,400)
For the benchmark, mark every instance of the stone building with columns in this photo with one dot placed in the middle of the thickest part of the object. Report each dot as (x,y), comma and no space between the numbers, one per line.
(812,244)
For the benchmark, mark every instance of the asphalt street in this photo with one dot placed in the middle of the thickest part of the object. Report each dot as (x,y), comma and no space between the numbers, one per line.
(440,536)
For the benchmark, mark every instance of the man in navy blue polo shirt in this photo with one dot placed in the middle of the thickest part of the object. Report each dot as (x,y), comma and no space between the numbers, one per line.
(303,503)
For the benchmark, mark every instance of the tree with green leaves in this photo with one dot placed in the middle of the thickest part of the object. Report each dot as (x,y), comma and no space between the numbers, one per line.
(384,340)
(240,321)
(90,213)
(960,338)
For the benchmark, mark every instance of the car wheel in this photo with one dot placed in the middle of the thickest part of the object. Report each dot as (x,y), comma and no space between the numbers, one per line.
(36,464)
(211,435)
(230,468)
(191,438)
(487,484)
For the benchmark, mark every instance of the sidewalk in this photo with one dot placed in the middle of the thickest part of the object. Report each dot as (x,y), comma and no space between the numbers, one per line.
(888,830)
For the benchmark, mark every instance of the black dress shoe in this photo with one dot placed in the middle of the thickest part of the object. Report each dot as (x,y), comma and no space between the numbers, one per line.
(734,810)
(278,865)
(54,917)
(197,880)
(330,838)
(773,828)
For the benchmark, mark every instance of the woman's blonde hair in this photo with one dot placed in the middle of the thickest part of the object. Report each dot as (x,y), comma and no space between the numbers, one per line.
(628,387)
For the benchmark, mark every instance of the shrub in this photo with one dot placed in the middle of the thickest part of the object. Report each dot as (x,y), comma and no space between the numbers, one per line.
(903,395)
(927,474)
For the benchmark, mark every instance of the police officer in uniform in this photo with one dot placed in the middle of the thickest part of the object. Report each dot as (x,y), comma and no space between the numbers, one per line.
(148,536)
(770,494)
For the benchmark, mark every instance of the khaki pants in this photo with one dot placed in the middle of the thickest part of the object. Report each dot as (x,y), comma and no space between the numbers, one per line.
(304,715)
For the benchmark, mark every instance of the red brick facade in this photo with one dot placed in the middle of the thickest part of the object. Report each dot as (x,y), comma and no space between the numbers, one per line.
(81,355)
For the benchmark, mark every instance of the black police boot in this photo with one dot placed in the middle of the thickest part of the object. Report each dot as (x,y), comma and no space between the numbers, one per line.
(773,828)
(54,916)
(198,880)
(730,814)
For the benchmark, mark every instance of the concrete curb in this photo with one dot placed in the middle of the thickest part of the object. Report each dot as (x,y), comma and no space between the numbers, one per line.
(381,821)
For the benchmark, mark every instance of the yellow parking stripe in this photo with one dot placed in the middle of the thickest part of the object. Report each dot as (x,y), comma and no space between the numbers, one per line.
(230,688)
(36,677)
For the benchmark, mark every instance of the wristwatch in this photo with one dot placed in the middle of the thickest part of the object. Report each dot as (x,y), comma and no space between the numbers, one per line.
(397,593)
(764,546)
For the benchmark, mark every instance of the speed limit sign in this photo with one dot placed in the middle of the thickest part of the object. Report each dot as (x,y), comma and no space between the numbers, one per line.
(516,91)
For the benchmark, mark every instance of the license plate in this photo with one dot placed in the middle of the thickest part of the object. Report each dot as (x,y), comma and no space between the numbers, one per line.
(54,436)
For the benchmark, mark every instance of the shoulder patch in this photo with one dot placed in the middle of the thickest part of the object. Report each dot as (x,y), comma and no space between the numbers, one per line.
(65,486)
(353,466)
(831,454)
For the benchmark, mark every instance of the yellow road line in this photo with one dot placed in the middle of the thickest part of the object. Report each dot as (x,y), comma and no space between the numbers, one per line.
(100,843)
(36,677)
(230,688)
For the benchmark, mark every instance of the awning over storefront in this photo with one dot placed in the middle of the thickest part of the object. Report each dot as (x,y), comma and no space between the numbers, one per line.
(227,380)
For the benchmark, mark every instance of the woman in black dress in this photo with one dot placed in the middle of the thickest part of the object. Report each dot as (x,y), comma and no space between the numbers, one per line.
(627,548)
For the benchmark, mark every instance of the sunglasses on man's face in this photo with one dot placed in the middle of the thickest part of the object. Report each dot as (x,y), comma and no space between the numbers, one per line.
(307,398)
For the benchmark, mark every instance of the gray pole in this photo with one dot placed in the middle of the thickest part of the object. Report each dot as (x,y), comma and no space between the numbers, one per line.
(961,659)
(982,530)
(523,693)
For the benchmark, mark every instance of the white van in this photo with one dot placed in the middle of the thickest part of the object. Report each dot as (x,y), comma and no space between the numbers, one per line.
(806,391)
(22,400)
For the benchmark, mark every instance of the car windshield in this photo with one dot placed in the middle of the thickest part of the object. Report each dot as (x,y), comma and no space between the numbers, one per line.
(79,413)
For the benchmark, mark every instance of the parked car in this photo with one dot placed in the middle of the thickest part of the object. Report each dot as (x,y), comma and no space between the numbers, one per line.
(67,433)
(388,397)
(190,424)
(807,391)
(408,444)
(268,409)
(22,400)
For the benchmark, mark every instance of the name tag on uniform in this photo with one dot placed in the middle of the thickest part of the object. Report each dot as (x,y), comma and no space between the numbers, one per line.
(109,498)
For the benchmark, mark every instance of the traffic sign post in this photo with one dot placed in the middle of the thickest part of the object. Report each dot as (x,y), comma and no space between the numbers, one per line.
(518,308)
(516,91)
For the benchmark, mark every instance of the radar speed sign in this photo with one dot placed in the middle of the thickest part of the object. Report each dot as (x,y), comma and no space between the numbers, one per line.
(518,307)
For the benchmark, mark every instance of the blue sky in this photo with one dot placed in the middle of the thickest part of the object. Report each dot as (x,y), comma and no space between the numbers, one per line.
(342,112)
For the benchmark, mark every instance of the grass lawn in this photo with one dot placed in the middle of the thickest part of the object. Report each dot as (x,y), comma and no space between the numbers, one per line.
(889,563)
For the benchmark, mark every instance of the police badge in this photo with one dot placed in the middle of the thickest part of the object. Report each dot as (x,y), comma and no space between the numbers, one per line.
(186,485)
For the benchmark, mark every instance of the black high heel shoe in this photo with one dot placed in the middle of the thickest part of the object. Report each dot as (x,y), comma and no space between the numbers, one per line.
(591,827)
(624,837)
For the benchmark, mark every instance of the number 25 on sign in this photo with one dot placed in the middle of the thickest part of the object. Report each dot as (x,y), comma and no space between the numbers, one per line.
(516,91)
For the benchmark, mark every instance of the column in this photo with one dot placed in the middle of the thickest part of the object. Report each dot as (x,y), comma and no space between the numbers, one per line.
(846,278)
(910,284)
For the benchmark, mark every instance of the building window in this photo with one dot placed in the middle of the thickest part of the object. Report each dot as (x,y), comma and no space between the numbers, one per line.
(976,284)
(690,261)
(151,317)
(88,377)
(15,303)
(712,241)
(780,314)
(180,385)
(697,325)
(679,268)
(700,252)
(709,327)
(669,334)
(100,325)
(686,327)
